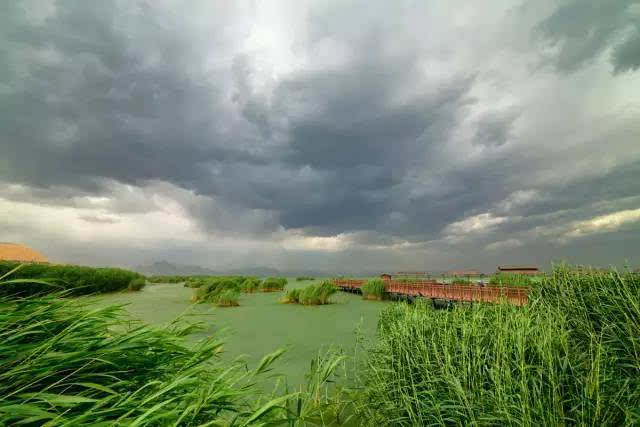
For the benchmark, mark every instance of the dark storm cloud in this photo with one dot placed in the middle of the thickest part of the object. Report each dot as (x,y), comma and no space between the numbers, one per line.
(385,127)
(626,56)
(364,145)
(494,128)
(585,28)
(104,109)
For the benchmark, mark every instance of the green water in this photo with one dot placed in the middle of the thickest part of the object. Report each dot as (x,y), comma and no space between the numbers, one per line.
(261,324)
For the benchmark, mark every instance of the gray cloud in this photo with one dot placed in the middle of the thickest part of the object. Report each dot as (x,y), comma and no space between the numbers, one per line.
(376,124)
(583,29)
(626,56)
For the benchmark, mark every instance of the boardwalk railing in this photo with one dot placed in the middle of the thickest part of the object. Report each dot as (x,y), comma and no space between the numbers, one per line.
(433,289)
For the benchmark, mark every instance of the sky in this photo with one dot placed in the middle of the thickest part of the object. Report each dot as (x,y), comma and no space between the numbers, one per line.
(328,135)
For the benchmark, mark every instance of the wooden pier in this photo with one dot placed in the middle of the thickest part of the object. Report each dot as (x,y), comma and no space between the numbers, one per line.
(435,290)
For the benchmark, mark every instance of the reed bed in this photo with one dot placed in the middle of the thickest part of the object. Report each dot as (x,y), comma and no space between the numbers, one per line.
(273,284)
(222,292)
(73,279)
(137,284)
(250,285)
(570,357)
(167,279)
(374,289)
(319,294)
(511,279)
(228,298)
(65,363)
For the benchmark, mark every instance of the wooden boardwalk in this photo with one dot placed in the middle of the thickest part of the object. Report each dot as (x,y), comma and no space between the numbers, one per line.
(435,290)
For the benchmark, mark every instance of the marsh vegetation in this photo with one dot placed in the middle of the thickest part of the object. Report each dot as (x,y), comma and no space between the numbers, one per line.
(569,357)
(374,289)
(314,294)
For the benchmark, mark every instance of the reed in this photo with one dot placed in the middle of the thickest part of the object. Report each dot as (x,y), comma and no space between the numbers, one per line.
(250,285)
(64,362)
(319,294)
(273,284)
(570,357)
(511,279)
(228,298)
(74,279)
(137,284)
(374,289)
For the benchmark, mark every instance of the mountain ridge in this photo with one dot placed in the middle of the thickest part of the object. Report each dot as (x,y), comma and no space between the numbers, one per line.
(166,268)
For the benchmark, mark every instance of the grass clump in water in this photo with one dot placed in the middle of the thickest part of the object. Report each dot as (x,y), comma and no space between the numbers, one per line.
(374,289)
(291,297)
(570,357)
(223,292)
(319,294)
(250,285)
(137,284)
(304,278)
(228,298)
(273,284)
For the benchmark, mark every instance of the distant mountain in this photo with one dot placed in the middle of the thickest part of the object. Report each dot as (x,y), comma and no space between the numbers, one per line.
(254,271)
(166,268)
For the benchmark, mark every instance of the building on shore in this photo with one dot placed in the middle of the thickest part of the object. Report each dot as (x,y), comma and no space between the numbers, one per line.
(20,253)
(518,269)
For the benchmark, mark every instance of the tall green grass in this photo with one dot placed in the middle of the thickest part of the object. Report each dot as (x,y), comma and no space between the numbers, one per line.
(461,281)
(168,279)
(222,292)
(228,298)
(570,357)
(250,285)
(74,279)
(318,294)
(273,284)
(137,284)
(374,289)
(511,279)
(64,362)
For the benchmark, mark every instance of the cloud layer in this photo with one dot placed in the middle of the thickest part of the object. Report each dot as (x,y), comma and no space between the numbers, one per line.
(326,135)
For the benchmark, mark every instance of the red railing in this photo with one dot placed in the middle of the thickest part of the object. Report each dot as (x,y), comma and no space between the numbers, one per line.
(433,289)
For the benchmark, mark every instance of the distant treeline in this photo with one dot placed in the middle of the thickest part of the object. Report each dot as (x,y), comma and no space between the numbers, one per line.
(247,284)
(73,279)
(170,279)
